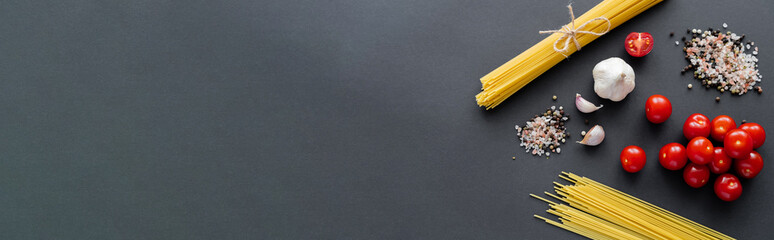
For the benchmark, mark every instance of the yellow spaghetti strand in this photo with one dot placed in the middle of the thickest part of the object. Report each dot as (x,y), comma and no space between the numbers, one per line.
(597,211)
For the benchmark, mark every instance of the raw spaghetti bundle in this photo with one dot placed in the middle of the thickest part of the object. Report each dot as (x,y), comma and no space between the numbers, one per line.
(597,211)
(514,74)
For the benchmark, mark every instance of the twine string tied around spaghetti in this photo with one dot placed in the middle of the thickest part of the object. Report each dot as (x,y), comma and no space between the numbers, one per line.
(570,32)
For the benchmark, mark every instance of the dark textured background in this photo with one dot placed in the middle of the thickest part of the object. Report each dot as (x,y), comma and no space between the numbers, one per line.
(332,119)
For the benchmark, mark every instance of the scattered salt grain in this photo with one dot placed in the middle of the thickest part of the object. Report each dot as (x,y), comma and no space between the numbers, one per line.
(719,61)
(544,133)
(725,25)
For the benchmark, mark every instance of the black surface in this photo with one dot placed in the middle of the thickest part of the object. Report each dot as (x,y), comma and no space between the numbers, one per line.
(332,119)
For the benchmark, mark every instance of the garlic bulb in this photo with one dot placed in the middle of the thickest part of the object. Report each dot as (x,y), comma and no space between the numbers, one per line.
(584,105)
(594,136)
(613,79)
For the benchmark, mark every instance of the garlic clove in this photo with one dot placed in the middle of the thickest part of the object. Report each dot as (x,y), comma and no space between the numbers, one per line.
(594,136)
(584,105)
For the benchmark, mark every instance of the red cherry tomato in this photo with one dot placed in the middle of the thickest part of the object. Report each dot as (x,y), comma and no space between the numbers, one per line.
(727,187)
(697,125)
(738,143)
(633,159)
(700,150)
(750,166)
(672,156)
(720,126)
(696,175)
(658,109)
(756,131)
(638,44)
(721,162)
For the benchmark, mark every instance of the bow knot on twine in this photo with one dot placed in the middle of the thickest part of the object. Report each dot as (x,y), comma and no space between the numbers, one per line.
(570,32)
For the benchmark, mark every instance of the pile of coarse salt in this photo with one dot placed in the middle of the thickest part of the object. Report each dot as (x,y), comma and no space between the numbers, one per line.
(544,133)
(719,61)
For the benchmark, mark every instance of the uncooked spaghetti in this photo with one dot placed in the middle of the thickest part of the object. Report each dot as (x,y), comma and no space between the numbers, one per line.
(596,211)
